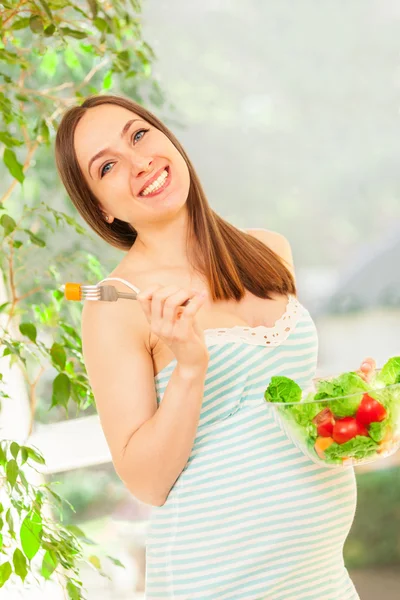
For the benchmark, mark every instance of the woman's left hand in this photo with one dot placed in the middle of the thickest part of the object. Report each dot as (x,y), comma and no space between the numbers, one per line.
(367,369)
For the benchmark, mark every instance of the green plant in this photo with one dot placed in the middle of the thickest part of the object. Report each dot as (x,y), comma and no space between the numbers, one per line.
(53,53)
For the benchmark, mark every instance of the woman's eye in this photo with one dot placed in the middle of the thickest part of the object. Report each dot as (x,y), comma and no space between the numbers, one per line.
(137,133)
(103,170)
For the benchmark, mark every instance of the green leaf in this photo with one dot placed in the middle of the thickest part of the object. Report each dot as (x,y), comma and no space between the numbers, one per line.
(56,4)
(49,563)
(19,561)
(77,531)
(5,572)
(3,456)
(46,8)
(61,390)
(58,498)
(20,23)
(14,449)
(24,480)
(28,329)
(79,35)
(74,592)
(58,355)
(88,48)
(283,389)
(101,24)
(44,132)
(8,223)
(71,59)
(57,295)
(12,472)
(49,30)
(122,61)
(10,523)
(358,447)
(36,24)
(116,562)
(377,430)
(6,78)
(34,455)
(390,372)
(93,7)
(24,455)
(11,57)
(12,164)
(31,529)
(107,81)
(49,62)
(8,140)
(35,239)
(348,388)
(22,97)
(136,5)
(95,561)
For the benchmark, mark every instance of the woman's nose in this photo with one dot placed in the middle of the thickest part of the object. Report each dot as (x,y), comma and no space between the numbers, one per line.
(141,165)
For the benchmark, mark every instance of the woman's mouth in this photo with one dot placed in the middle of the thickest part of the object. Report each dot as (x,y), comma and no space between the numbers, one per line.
(158,186)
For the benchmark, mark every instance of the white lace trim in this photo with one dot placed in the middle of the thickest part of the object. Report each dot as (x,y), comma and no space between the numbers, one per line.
(260,335)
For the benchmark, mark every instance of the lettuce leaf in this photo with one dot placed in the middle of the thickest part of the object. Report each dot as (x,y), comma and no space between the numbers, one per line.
(358,447)
(302,414)
(378,430)
(283,389)
(390,398)
(343,385)
(390,372)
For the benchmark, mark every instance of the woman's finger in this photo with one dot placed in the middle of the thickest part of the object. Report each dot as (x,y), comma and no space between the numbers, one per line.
(368,364)
(367,368)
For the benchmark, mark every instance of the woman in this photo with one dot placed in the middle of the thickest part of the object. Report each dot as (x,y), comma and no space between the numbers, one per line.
(238,511)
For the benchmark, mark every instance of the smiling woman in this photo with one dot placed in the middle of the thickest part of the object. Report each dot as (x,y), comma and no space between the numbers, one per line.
(180,400)
(127,175)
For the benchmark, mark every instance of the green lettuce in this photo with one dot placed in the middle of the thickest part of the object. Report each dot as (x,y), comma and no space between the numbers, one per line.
(342,395)
(390,399)
(378,430)
(390,372)
(358,447)
(347,384)
(283,389)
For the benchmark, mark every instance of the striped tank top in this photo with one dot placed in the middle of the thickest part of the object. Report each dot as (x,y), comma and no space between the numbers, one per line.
(251,517)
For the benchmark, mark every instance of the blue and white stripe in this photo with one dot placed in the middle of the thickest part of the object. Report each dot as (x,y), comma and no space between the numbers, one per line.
(250,516)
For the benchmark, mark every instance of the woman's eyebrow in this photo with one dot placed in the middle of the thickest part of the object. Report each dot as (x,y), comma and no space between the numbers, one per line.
(105,150)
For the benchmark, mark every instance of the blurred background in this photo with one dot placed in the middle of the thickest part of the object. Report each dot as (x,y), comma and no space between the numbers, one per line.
(290,114)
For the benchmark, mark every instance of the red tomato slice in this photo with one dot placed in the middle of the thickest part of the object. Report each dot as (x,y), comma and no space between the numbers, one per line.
(324,422)
(370,411)
(346,429)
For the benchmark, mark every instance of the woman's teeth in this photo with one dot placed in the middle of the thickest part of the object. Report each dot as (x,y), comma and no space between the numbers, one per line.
(156,184)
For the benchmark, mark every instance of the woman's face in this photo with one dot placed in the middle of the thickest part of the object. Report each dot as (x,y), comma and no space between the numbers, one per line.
(120,155)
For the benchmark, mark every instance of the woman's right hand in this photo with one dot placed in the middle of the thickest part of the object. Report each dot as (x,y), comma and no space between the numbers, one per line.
(174,324)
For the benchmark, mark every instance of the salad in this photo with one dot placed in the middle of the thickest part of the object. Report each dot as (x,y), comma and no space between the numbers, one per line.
(346,420)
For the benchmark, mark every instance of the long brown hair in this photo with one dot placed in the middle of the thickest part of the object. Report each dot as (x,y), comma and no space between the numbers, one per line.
(231,260)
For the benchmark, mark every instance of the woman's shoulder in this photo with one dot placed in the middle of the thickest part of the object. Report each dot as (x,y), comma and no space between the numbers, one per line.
(276,242)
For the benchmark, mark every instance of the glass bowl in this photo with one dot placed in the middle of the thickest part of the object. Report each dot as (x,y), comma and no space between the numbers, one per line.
(339,431)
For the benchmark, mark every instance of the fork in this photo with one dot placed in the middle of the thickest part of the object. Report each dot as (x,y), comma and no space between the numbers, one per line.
(105,293)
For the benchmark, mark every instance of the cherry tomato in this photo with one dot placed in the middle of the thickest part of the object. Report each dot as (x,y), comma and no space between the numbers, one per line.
(370,411)
(346,429)
(324,422)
